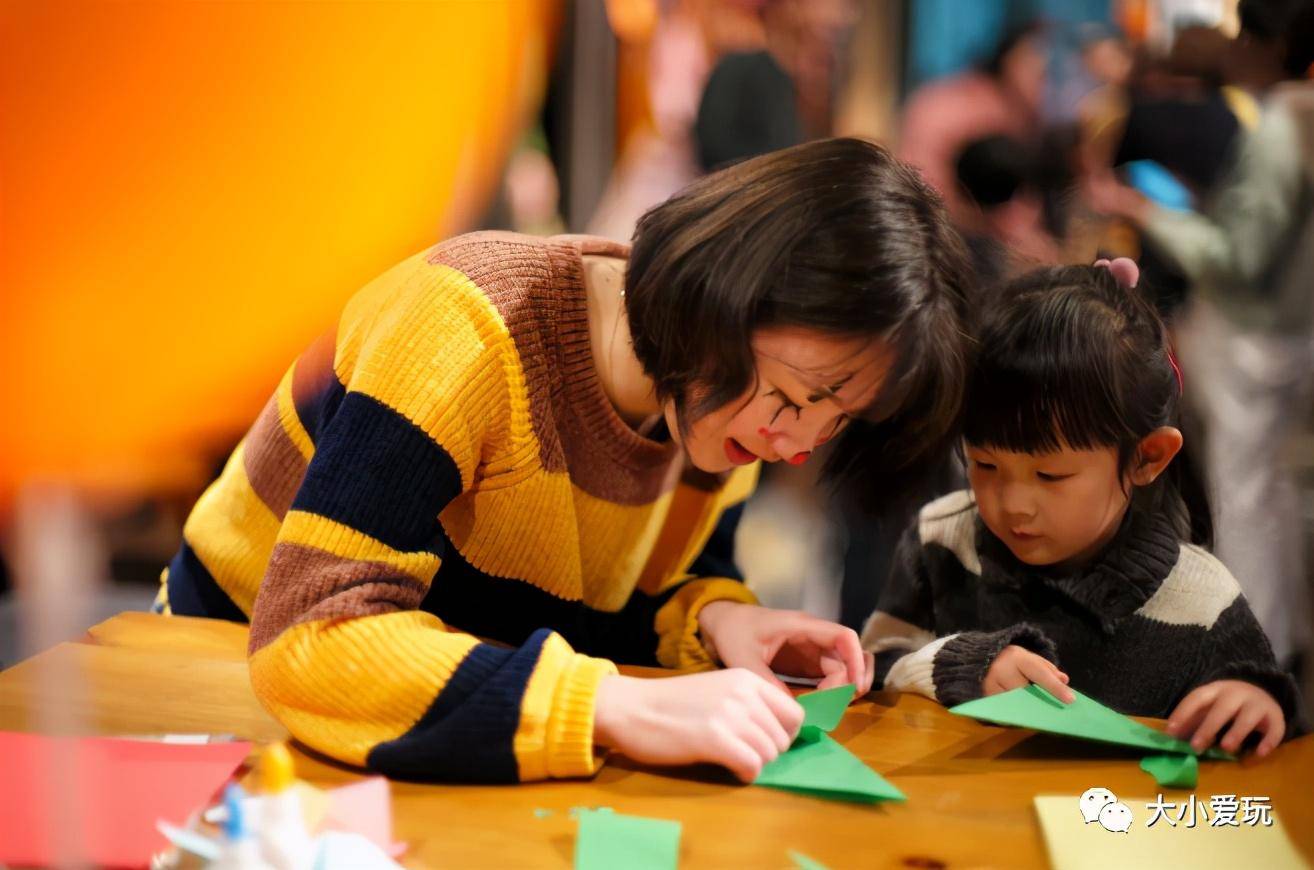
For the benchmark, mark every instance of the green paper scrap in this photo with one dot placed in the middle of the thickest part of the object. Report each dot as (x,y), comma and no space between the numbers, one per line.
(1172,770)
(820,767)
(607,840)
(803,862)
(1033,707)
(826,708)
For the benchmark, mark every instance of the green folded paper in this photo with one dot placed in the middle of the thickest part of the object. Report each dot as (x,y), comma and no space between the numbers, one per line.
(817,765)
(607,840)
(1172,770)
(803,862)
(1033,707)
(820,767)
(826,708)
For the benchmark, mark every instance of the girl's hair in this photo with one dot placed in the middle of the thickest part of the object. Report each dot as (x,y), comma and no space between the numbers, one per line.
(835,236)
(1068,357)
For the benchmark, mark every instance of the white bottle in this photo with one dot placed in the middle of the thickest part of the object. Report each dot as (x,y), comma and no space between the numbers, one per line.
(240,850)
(284,842)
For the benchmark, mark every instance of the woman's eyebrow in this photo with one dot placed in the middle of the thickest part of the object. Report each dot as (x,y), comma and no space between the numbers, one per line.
(829,392)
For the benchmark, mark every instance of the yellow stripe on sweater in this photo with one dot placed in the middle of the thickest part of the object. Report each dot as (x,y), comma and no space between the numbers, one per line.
(290,419)
(232,532)
(447,355)
(555,733)
(311,678)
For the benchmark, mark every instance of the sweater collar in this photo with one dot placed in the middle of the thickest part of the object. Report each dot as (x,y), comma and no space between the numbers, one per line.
(1112,586)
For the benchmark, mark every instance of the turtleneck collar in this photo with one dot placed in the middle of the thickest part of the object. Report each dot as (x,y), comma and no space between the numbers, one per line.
(1113,585)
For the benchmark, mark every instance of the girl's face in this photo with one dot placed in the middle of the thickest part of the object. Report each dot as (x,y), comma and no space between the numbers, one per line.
(1051,508)
(808,386)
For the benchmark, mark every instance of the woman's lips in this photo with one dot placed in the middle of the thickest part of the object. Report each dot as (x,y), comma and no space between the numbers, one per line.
(737,453)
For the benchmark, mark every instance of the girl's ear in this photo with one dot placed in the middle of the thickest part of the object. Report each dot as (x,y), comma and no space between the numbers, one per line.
(1154,453)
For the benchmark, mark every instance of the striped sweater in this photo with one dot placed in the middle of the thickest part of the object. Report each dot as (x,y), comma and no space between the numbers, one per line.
(1138,628)
(443,534)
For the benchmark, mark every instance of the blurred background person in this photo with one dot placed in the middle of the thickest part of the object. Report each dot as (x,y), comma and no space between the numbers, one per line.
(1246,344)
(780,94)
(660,155)
(1002,96)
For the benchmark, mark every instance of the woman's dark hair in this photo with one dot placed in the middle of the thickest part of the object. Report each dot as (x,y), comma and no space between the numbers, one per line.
(835,236)
(1067,356)
(1286,22)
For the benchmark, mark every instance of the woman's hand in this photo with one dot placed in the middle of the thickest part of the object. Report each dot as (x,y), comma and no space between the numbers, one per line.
(1015,667)
(797,644)
(733,718)
(1249,708)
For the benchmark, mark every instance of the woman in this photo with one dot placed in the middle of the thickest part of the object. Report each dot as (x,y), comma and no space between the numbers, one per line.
(539,443)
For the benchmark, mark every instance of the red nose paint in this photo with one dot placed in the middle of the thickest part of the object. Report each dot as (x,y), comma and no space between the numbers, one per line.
(764,432)
(799,458)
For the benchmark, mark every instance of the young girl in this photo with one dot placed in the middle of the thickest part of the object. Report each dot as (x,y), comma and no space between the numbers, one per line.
(1075,560)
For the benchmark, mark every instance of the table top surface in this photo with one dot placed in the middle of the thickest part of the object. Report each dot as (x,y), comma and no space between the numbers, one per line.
(969,785)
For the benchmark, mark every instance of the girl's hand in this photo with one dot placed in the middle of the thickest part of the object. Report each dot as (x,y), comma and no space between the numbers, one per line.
(1015,667)
(733,718)
(1211,706)
(763,640)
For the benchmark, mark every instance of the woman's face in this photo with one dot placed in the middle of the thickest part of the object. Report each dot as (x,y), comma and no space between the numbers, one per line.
(808,385)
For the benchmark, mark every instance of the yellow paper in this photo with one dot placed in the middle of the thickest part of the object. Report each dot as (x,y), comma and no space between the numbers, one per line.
(1074,844)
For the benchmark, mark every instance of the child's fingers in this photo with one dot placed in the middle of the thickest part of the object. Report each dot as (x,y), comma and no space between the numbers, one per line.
(1244,723)
(1219,715)
(1192,708)
(1003,680)
(1274,728)
(1044,674)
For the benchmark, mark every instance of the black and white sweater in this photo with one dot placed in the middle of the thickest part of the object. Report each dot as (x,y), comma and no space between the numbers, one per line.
(1138,628)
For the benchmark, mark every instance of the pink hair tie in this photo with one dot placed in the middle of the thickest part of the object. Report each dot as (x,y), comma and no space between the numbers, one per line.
(1177,370)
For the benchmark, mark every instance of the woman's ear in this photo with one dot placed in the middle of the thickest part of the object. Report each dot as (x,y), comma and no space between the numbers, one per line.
(1154,453)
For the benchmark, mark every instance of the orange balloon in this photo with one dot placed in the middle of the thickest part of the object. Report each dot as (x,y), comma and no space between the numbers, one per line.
(191,191)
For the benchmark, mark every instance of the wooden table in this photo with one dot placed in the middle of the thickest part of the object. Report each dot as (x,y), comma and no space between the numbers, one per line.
(969,785)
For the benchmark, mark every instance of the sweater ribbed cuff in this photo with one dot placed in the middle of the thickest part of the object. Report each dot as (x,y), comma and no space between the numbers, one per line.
(679,644)
(570,725)
(912,671)
(961,664)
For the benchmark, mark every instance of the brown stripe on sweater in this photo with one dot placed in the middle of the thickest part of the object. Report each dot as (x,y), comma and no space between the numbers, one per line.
(537,287)
(512,271)
(274,466)
(304,584)
(313,372)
